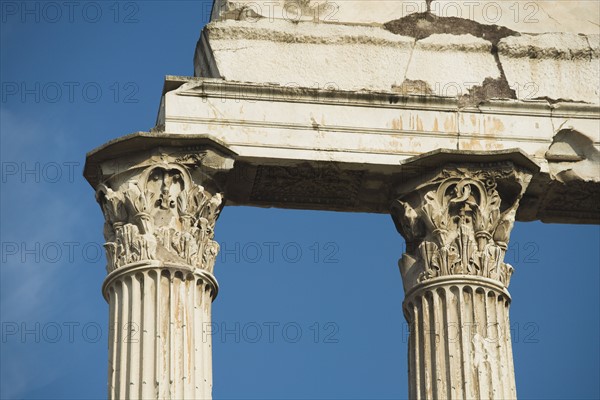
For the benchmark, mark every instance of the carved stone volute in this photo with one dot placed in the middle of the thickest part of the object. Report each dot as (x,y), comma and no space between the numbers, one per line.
(159,213)
(458,222)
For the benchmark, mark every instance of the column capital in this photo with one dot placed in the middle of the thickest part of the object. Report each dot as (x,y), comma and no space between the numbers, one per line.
(456,220)
(161,201)
(161,195)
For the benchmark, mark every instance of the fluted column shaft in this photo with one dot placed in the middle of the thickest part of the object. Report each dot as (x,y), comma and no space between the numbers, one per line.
(457,222)
(160,214)
(160,342)
(459,344)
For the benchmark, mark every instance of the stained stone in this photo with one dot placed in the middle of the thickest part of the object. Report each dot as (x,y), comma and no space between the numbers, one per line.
(457,125)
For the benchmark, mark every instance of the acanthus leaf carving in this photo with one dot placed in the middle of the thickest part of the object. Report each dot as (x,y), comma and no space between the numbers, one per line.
(457,224)
(162,215)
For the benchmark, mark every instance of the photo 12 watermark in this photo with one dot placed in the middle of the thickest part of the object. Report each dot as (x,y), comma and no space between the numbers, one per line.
(51,332)
(247,332)
(51,252)
(70,12)
(276,252)
(453,332)
(333,92)
(272,332)
(324,11)
(316,11)
(71,92)
(39,172)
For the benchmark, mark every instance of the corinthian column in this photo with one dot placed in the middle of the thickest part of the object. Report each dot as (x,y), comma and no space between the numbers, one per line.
(160,209)
(457,222)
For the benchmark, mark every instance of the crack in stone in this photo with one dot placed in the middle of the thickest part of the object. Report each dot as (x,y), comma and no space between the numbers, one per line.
(423,25)
(552,102)
(591,49)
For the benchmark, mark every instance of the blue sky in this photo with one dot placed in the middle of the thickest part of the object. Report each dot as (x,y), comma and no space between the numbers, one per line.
(323,289)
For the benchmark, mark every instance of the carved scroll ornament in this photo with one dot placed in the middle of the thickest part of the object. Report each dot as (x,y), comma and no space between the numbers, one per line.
(458,224)
(162,215)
